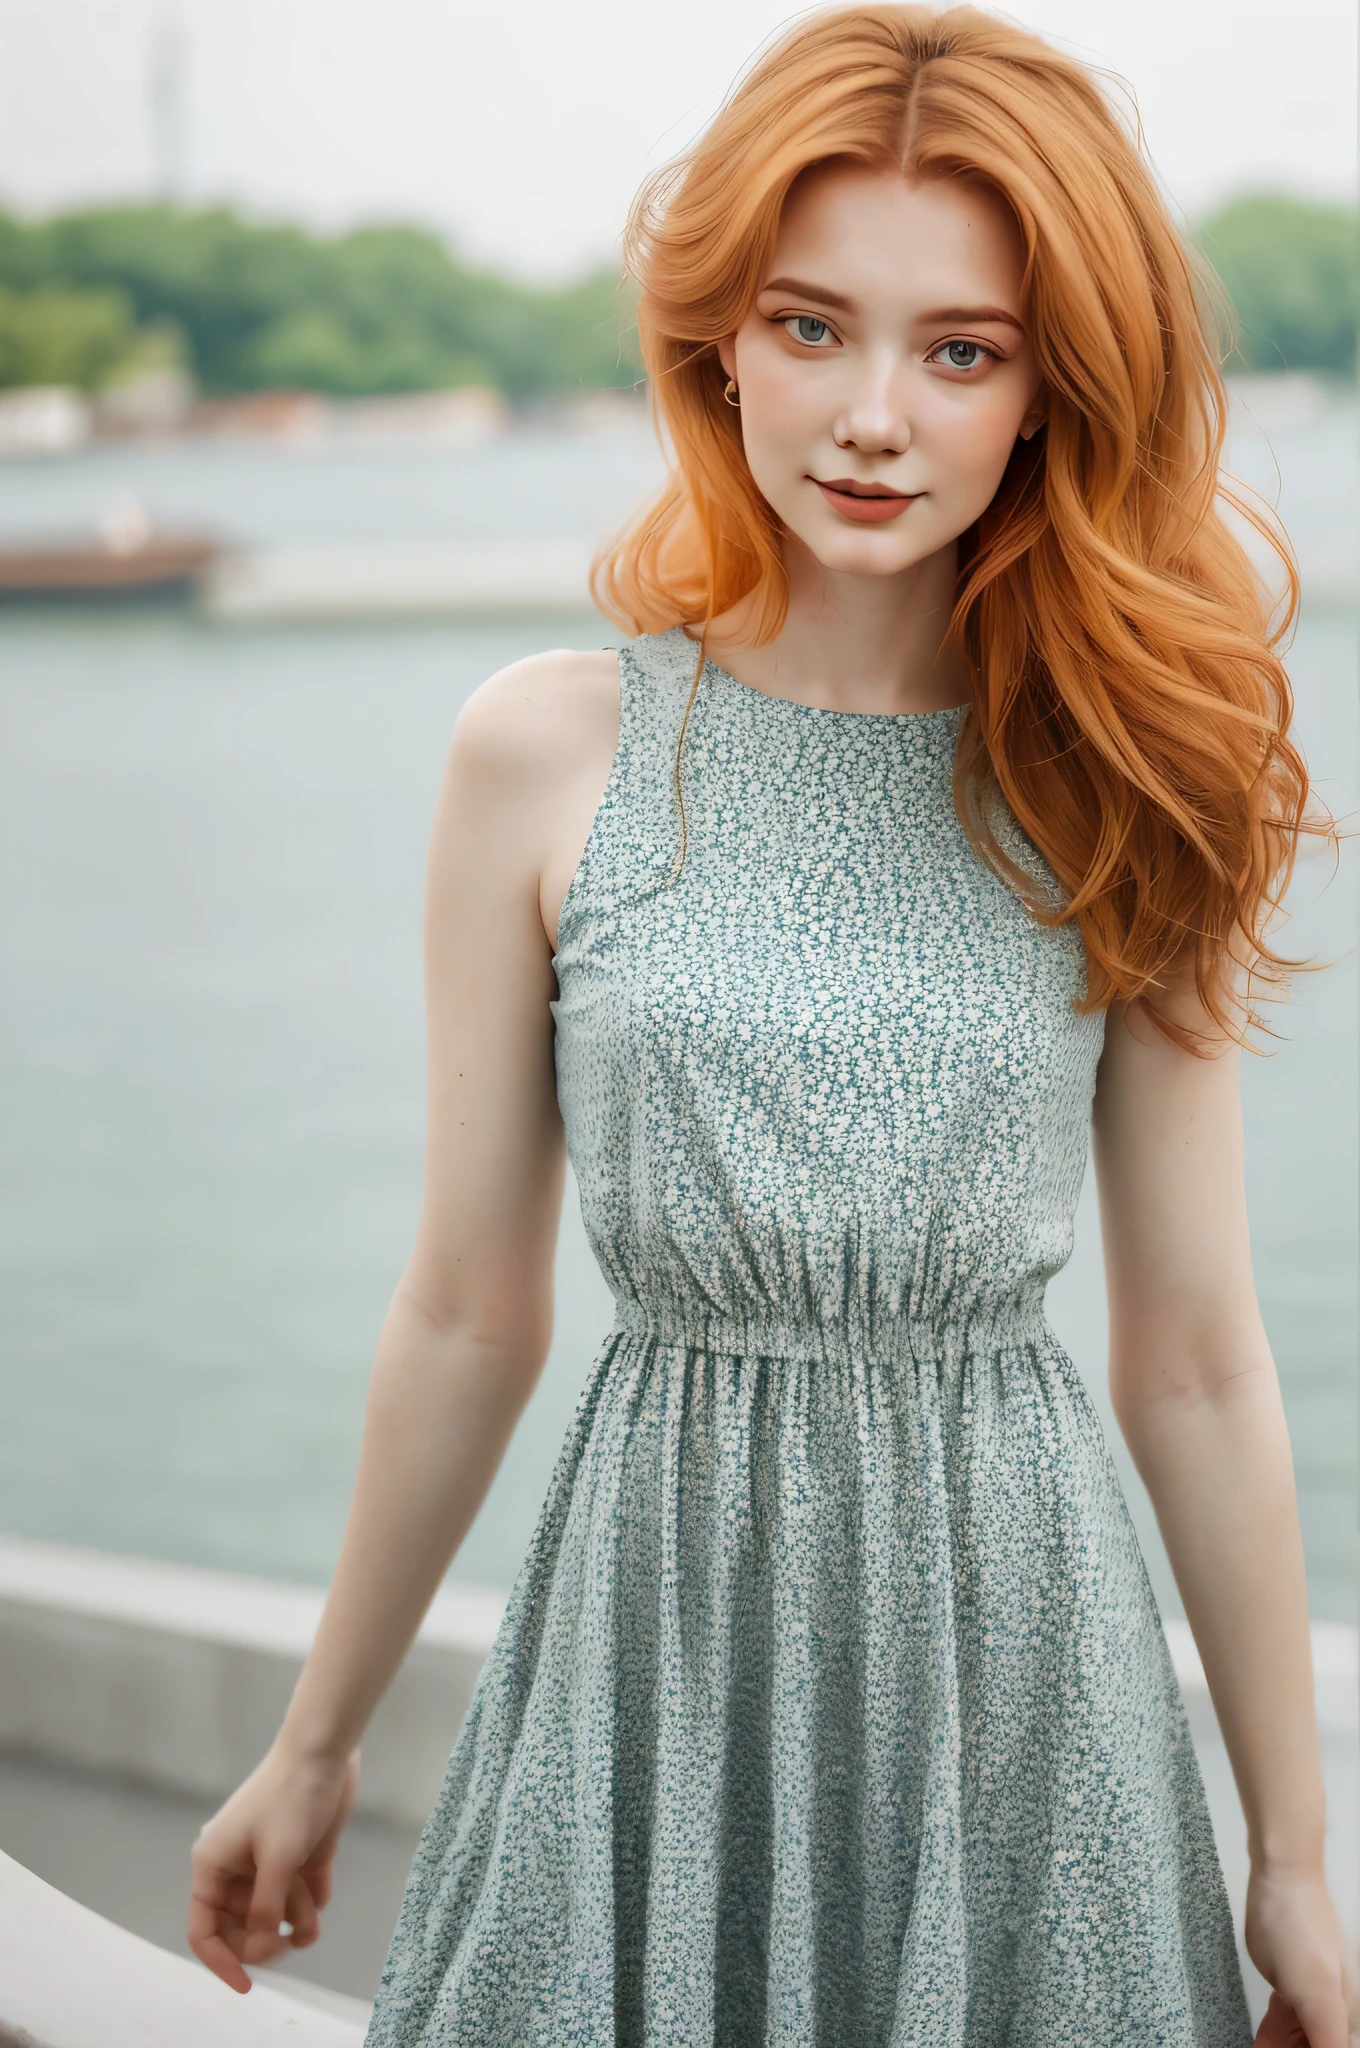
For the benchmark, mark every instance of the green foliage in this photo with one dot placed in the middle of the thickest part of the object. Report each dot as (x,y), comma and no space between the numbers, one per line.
(157,347)
(59,336)
(379,309)
(1292,271)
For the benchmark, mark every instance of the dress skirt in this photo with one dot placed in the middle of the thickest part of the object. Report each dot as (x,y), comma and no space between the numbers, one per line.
(831,1707)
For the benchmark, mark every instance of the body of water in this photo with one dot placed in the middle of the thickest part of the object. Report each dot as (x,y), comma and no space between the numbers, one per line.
(211,1047)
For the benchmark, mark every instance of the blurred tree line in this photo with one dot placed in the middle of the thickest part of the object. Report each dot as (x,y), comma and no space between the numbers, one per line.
(86,297)
(1292,271)
(90,298)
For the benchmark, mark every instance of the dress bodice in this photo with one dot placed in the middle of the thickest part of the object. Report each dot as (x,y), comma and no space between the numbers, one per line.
(825,1089)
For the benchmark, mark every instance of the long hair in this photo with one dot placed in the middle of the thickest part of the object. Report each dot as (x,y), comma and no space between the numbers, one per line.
(1129,702)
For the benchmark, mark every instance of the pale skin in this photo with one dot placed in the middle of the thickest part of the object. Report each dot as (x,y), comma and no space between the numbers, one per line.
(855,364)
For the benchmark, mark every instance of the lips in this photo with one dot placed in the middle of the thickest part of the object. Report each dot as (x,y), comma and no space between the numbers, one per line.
(868,503)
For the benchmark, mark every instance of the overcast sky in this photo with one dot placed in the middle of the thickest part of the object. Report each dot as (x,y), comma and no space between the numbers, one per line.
(522,129)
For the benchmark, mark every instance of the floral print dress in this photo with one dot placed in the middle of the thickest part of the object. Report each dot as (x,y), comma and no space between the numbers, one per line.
(831,1707)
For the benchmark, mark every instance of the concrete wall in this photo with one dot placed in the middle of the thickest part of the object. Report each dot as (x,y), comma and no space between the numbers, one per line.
(71,1980)
(179,1677)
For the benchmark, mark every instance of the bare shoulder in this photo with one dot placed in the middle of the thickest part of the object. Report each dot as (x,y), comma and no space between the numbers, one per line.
(530,755)
(541,720)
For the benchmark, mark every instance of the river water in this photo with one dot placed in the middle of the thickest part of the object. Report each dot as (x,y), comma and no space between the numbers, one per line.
(211,1058)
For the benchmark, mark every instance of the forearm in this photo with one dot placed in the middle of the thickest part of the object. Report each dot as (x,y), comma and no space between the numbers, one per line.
(443,1403)
(1216,1462)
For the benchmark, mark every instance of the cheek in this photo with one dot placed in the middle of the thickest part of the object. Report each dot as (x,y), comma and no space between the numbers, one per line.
(974,442)
(779,401)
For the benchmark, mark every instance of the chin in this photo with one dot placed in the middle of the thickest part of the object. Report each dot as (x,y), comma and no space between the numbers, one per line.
(863,554)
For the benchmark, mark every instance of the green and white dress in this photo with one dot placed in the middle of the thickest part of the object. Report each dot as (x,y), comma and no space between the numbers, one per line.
(831,1705)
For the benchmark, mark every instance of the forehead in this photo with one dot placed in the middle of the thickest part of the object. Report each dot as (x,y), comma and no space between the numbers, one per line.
(866,232)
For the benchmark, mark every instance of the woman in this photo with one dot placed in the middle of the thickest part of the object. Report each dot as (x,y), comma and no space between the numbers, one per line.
(944,797)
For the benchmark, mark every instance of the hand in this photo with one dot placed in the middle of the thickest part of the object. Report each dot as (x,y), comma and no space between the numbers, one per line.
(1295,1940)
(266,1857)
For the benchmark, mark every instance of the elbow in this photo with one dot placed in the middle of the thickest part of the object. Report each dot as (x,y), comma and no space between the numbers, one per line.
(508,1324)
(1176,1365)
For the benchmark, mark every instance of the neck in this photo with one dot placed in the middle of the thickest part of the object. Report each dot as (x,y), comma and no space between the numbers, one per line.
(853,643)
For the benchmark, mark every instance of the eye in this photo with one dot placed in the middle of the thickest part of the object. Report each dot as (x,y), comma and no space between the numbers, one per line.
(807,328)
(963,355)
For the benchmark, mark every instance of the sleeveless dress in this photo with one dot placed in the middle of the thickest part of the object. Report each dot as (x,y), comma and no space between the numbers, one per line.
(831,1707)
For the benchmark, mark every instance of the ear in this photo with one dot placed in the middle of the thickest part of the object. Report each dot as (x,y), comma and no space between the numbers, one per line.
(1035,416)
(727,354)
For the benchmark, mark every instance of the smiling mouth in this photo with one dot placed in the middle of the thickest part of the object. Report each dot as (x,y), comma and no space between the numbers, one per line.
(864,502)
(847,487)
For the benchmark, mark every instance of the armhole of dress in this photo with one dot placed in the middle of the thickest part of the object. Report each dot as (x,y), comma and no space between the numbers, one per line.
(610,797)
(634,837)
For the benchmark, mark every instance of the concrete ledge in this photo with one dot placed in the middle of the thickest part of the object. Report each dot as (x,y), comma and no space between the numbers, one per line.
(401,579)
(179,1676)
(69,1979)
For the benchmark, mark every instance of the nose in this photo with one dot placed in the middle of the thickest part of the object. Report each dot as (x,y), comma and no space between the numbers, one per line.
(873,416)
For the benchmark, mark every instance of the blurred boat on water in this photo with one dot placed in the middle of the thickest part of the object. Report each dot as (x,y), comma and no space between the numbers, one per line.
(127,557)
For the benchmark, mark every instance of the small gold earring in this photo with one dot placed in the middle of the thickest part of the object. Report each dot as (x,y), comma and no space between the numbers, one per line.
(730,393)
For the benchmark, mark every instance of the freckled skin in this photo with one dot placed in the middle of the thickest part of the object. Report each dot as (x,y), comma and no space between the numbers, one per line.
(883,390)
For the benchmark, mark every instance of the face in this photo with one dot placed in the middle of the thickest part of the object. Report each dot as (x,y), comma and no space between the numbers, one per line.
(884,370)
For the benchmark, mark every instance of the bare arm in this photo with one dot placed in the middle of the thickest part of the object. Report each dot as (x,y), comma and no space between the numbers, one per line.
(469,1323)
(468,1328)
(1196,1395)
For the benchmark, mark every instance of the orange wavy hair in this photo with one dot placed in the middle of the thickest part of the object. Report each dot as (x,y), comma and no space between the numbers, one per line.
(1129,702)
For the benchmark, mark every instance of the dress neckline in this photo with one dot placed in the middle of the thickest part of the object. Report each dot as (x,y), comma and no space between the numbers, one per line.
(892,718)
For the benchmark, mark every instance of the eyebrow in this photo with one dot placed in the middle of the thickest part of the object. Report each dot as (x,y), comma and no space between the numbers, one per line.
(802,290)
(941,316)
(976,315)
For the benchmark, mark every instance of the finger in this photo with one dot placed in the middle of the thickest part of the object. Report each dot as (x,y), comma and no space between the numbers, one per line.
(302,1913)
(237,1896)
(211,1949)
(210,1868)
(318,1877)
(268,1902)
(1280,2027)
(212,1880)
(214,1935)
